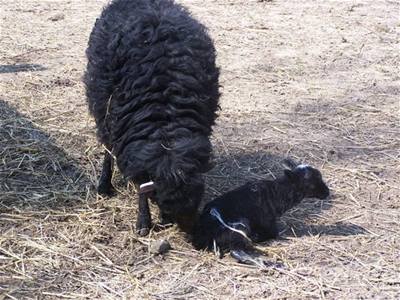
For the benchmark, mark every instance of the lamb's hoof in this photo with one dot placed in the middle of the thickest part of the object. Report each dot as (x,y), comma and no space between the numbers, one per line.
(106,190)
(244,257)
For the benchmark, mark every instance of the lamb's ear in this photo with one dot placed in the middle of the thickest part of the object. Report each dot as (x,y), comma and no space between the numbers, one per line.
(307,173)
(290,175)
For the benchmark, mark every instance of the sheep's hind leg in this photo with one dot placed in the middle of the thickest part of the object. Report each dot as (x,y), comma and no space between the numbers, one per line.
(105,187)
(143,222)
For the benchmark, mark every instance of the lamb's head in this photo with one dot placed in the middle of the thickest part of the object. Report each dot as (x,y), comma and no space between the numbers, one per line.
(308,180)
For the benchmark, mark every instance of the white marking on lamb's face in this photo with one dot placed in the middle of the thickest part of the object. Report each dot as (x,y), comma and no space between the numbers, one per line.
(302,166)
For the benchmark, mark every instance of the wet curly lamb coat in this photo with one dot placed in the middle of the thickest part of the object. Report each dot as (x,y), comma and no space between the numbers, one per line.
(152,87)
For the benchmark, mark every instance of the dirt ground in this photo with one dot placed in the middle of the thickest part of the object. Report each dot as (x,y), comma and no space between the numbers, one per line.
(314,80)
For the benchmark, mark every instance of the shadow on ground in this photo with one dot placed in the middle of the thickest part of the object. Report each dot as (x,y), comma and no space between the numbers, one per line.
(337,229)
(34,171)
(21,68)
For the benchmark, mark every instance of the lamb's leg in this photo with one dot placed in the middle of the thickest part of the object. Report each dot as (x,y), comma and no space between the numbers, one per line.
(261,234)
(248,258)
(143,222)
(105,187)
(253,258)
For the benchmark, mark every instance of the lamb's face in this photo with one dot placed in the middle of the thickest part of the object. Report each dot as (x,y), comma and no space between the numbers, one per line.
(181,201)
(311,182)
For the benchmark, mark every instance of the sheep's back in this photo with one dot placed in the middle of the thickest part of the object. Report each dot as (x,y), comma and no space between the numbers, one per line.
(152,83)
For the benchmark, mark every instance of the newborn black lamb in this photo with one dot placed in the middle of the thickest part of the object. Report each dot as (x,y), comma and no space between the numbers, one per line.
(249,213)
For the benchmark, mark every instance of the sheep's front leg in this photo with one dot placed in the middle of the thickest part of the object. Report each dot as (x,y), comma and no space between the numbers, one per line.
(105,187)
(143,222)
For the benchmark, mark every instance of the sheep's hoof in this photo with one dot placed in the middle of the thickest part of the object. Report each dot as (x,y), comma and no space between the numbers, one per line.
(106,190)
(143,227)
(143,231)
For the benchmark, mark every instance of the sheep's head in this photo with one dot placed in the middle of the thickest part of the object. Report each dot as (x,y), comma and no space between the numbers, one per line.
(308,180)
(180,199)
(178,179)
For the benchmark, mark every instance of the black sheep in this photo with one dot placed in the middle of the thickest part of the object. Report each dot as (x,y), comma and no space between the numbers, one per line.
(249,213)
(152,87)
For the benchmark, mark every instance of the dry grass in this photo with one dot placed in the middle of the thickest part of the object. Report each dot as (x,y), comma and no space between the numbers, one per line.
(314,80)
